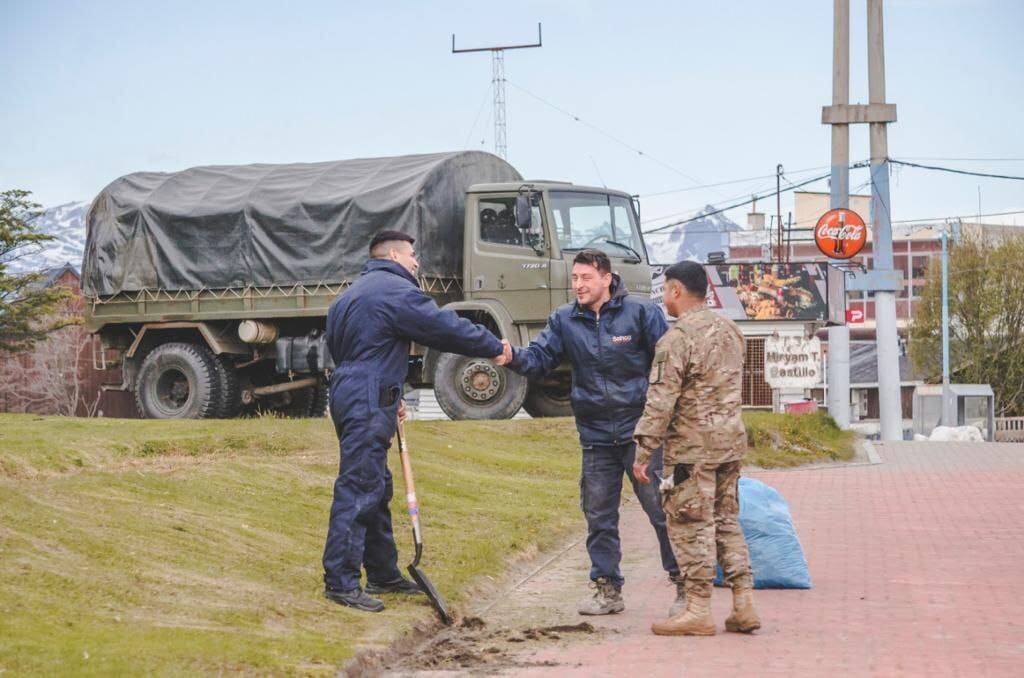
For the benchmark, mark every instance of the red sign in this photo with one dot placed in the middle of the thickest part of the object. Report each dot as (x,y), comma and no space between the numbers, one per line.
(854,316)
(840,234)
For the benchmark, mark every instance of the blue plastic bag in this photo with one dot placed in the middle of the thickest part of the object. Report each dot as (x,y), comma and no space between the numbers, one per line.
(776,556)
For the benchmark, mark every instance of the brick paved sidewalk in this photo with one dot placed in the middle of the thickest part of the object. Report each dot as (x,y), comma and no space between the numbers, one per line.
(916,563)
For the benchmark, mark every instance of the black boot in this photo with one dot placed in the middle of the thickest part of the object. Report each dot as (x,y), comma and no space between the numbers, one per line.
(355,598)
(400,585)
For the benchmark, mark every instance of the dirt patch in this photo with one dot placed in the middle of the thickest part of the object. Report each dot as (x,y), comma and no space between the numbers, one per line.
(475,645)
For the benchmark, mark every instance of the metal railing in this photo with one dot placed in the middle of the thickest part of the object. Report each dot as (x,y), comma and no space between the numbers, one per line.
(1009,429)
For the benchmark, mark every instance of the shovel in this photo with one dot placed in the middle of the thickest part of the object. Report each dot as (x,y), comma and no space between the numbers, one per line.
(417,574)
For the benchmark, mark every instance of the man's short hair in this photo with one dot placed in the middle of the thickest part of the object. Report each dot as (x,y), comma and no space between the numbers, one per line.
(690,275)
(388,237)
(595,258)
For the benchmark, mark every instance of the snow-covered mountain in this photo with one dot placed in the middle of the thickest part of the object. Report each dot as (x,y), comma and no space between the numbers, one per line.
(692,240)
(66,223)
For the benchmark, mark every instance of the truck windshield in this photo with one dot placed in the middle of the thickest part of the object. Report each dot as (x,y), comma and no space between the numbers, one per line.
(605,222)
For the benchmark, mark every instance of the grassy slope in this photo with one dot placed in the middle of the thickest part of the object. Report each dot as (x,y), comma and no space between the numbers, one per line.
(779,440)
(176,547)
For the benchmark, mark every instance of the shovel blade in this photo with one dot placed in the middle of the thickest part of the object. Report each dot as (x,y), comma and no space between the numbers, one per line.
(435,598)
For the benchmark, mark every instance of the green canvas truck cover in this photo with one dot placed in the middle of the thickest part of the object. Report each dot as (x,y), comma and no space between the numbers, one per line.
(259,225)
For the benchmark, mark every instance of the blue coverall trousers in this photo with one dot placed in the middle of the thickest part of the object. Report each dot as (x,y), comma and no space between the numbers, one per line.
(359,534)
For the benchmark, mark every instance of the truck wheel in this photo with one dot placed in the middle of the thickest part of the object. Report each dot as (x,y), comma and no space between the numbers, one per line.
(307,402)
(178,381)
(475,388)
(320,403)
(230,404)
(548,399)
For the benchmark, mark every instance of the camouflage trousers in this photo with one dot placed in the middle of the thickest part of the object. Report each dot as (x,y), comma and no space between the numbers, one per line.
(702,518)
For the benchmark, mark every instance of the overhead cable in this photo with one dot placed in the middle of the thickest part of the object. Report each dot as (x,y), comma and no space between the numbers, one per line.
(951,170)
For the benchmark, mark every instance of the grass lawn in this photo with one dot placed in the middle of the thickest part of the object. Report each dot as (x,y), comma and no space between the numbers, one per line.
(783,440)
(130,547)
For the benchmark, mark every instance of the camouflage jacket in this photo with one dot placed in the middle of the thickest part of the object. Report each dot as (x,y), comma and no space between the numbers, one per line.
(694,393)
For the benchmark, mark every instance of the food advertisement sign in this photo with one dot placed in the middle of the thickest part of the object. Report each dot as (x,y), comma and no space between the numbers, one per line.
(804,292)
(777,291)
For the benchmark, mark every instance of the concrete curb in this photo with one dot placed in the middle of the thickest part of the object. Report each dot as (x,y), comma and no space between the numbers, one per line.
(869,449)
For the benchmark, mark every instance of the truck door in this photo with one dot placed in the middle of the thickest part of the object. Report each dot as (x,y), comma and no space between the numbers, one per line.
(505,264)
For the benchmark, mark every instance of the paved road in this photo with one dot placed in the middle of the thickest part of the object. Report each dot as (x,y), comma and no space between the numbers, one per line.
(917,565)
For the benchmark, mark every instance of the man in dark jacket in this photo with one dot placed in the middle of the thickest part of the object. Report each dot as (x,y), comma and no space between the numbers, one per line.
(369,328)
(609,338)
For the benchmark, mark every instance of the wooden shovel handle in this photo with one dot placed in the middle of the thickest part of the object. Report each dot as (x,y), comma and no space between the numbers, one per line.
(410,486)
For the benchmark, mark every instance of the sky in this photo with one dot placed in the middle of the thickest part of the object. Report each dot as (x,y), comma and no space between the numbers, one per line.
(654,98)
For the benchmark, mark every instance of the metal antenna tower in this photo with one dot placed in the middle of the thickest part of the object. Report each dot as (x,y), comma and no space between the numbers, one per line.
(498,85)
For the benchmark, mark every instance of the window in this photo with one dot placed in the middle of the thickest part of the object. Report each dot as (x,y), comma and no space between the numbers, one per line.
(605,222)
(498,223)
(899,263)
(976,413)
(920,267)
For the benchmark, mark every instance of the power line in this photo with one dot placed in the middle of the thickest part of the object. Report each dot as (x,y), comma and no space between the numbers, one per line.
(767,190)
(957,216)
(487,95)
(726,183)
(963,159)
(856,165)
(604,133)
(955,171)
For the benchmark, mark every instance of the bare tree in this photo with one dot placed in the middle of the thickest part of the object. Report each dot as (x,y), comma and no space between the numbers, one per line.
(53,379)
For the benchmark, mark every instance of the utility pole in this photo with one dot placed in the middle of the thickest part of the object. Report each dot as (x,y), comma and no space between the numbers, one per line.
(778,212)
(498,86)
(882,279)
(887,339)
(948,417)
(838,370)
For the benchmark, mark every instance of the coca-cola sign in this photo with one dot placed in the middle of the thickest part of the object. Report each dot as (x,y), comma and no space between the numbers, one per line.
(840,234)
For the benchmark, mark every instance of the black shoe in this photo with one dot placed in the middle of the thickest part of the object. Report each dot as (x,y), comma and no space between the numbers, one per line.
(355,598)
(400,585)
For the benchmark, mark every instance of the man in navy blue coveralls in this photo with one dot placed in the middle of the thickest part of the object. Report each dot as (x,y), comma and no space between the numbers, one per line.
(369,328)
(608,337)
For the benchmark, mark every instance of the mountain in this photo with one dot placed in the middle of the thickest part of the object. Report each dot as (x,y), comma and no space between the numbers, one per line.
(66,223)
(709,232)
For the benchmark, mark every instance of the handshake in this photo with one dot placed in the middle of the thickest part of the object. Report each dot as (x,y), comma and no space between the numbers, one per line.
(505,357)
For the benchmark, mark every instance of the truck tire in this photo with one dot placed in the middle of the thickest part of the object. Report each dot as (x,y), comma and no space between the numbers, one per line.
(229,405)
(475,388)
(178,381)
(307,402)
(548,400)
(320,404)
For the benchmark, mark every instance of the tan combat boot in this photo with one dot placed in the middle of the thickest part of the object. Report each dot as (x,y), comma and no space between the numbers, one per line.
(695,621)
(744,617)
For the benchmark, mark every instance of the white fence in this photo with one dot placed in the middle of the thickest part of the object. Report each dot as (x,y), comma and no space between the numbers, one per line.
(425,407)
(1010,429)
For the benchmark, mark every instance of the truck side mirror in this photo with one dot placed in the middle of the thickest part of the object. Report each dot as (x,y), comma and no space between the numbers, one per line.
(524,213)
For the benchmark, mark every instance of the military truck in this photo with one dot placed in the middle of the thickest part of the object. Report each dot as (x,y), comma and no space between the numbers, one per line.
(210,286)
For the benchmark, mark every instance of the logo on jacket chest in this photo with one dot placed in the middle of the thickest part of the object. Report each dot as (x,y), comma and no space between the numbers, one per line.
(623,339)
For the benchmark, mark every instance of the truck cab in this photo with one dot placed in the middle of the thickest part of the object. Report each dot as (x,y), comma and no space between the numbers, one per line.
(521,239)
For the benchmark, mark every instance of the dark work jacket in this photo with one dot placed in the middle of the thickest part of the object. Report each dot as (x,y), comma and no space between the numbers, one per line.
(370,326)
(611,359)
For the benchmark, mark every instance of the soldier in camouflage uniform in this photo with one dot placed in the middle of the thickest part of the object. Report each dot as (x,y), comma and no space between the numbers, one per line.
(693,408)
